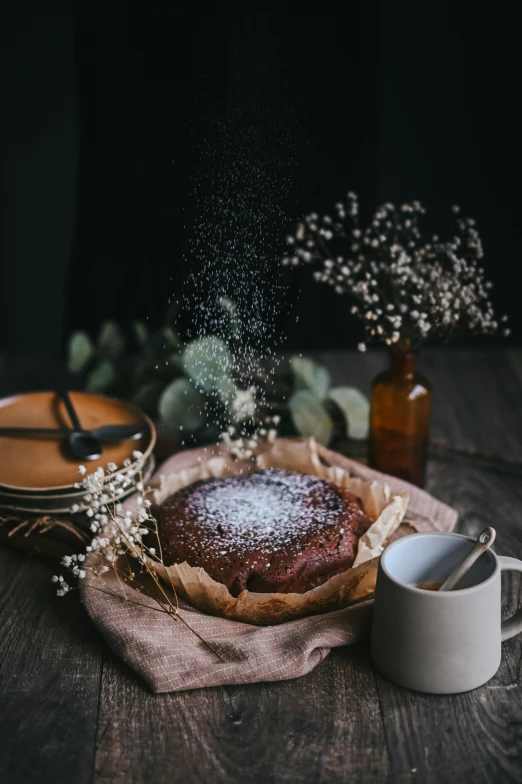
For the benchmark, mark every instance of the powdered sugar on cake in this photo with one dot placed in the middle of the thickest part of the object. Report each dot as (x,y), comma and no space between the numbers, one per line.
(272,508)
(269,531)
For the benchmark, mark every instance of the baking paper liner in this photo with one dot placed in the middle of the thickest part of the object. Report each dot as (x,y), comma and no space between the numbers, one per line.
(386,507)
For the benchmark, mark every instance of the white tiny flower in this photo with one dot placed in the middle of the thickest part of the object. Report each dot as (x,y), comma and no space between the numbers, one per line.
(82,470)
(361,347)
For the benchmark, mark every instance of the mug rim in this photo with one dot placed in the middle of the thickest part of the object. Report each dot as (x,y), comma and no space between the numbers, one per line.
(422,591)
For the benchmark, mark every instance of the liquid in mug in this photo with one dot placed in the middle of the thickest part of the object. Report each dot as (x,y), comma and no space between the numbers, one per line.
(435,586)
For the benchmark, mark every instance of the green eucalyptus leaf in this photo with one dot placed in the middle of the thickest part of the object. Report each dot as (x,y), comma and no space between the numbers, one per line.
(309,375)
(310,417)
(79,351)
(171,337)
(148,395)
(141,332)
(175,364)
(181,406)
(227,392)
(111,340)
(101,377)
(206,361)
(355,408)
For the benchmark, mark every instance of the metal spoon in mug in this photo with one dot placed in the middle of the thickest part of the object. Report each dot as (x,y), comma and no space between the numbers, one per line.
(82,443)
(484,541)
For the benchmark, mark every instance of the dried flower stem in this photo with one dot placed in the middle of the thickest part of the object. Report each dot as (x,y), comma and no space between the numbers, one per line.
(119,533)
(404,290)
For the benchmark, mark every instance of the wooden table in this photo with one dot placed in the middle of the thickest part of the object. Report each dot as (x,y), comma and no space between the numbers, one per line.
(71,712)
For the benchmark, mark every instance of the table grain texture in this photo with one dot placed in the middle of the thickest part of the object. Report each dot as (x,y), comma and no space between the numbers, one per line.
(72,713)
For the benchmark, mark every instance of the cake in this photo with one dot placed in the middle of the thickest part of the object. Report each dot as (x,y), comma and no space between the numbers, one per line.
(270,531)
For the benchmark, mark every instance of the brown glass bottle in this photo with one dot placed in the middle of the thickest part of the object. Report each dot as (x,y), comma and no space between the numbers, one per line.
(400,419)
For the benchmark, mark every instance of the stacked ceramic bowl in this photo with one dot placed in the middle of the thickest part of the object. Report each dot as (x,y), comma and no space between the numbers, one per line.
(39,473)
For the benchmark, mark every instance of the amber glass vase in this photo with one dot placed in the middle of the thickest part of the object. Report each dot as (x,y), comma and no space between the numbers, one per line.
(400,419)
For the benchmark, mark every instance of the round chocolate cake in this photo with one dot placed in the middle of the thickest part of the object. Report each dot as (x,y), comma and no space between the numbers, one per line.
(270,531)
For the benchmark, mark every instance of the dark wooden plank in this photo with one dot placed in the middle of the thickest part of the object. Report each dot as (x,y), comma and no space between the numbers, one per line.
(477,400)
(50,667)
(325,727)
(474,737)
(476,394)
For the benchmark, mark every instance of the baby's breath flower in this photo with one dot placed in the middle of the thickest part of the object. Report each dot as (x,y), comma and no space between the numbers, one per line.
(82,470)
(405,289)
(115,529)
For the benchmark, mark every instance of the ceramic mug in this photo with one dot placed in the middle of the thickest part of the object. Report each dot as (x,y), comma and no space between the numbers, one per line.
(439,642)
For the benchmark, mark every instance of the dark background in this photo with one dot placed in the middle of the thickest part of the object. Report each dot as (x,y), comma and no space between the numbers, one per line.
(120,120)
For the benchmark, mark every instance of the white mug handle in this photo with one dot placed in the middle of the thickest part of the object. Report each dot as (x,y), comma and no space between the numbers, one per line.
(513,625)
